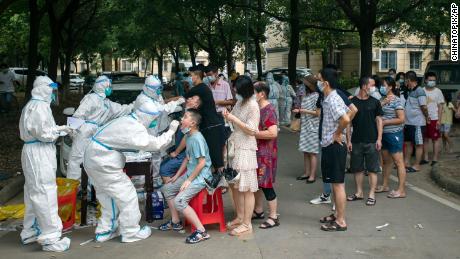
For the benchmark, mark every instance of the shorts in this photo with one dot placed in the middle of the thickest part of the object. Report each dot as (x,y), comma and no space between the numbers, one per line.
(181,199)
(215,138)
(393,142)
(333,160)
(414,134)
(364,157)
(445,128)
(170,166)
(432,132)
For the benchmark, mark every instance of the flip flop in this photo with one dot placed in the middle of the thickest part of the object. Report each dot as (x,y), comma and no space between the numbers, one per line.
(333,226)
(371,201)
(395,195)
(382,189)
(328,219)
(410,169)
(424,162)
(301,178)
(354,198)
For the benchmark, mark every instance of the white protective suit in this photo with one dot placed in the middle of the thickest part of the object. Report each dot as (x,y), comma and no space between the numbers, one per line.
(285,102)
(275,91)
(96,110)
(39,132)
(104,163)
(151,93)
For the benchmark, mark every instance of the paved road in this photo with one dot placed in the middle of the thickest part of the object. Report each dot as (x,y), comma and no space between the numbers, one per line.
(299,235)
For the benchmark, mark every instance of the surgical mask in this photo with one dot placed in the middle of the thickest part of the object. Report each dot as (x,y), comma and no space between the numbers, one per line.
(153,124)
(108,91)
(320,86)
(431,84)
(239,97)
(383,90)
(212,79)
(372,89)
(185,130)
(206,81)
(189,81)
(269,80)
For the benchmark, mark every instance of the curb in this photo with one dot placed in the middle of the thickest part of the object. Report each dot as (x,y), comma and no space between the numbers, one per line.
(448,183)
(15,186)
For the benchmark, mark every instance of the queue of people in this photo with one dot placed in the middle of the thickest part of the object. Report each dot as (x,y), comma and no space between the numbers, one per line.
(243,118)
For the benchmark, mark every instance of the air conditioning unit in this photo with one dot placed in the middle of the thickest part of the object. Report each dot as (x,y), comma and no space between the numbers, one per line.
(376,55)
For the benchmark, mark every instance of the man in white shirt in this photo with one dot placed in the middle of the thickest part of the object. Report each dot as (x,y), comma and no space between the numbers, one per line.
(435,101)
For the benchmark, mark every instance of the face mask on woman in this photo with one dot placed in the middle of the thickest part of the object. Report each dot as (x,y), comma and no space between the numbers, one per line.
(320,86)
(383,90)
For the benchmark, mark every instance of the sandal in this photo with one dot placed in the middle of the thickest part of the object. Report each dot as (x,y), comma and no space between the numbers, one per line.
(241,230)
(267,224)
(328,219)
(395,195)
(410,169)
(256,215)
(382,188)
(354,197)
(233,224)
(301,178)
(333,226)
(371,201)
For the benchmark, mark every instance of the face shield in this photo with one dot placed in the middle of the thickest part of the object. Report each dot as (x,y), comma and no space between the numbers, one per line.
(54,93)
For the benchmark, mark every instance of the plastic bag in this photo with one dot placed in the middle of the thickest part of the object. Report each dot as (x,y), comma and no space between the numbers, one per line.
(12,212)
(66,186)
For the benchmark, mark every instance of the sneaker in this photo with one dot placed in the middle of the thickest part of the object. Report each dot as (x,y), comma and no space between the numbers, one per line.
(322,199)
(169,225)
(106,236)
(29,240)
(142,234)
(197,237)
(59,246)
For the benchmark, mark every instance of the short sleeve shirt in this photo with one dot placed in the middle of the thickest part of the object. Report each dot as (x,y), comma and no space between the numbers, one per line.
(433,99)
(208,106)
(415,99)
(6,82)
(364,123)
(221,92)
(319,104)
(333,109)
(196,148)
(390,112)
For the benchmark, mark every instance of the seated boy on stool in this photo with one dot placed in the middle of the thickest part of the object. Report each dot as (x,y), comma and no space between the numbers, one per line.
(184,186)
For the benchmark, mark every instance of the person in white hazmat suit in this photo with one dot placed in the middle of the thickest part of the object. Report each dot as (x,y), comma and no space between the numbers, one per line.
(104,163)
(275,91)
(38,130)
(285,101)
(96,110)
(152,93)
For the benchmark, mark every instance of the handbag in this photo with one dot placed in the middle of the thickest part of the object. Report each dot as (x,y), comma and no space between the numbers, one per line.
(231,175)
(295,125)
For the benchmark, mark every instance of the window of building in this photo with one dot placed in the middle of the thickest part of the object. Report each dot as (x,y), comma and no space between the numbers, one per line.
(388,59)
(126,65)
(415,60)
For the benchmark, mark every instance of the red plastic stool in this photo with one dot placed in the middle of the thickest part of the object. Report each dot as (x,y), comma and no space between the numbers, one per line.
(211,212)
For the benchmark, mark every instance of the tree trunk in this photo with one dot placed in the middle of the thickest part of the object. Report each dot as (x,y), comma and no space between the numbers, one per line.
(138,65)
(294,40)
(88,65)
(258,57)
(66,74)
(437,48)
(176,57)
(54,56)
(160,66)
(365,39)
(307,54)
(34,25)
(153,61)
(117,66)
(191,49)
